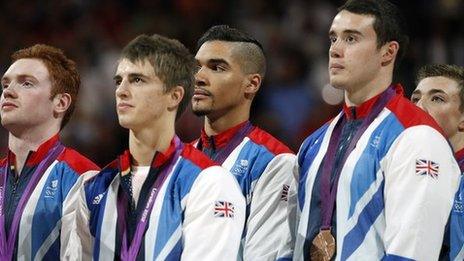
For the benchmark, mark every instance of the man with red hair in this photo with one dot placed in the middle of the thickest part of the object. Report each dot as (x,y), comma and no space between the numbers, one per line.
(39,176)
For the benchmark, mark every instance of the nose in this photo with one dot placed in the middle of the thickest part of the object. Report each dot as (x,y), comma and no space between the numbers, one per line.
(422,104)
(122,90)
(9,92)
(335,50)
(201,78)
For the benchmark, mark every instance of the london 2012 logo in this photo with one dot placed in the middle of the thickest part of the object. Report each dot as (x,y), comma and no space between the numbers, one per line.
(51,189)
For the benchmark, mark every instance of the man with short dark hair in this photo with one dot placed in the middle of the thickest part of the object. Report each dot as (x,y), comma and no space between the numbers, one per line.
(161,199)
(440,92)
(231,68)
(377,181)
(39,178)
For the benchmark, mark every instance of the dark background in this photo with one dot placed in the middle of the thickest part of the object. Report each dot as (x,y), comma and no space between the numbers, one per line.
(295,98)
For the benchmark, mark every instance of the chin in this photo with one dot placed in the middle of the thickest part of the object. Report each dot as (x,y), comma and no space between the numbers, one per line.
(3,120)
(337,83)
(125,123)
(9,122)
(201,113)
(14,127)
(5,124)
(200,110)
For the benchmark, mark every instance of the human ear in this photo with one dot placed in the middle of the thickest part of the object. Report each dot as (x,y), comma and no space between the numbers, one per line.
(252,84)
(62,102)
(461,124)
(175,97)
(389,52)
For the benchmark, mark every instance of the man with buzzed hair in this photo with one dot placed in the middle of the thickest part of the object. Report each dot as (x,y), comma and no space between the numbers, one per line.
(161,199)
(440,92)
(231,68)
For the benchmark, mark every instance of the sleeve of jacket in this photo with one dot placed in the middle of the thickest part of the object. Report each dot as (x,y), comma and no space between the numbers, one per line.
(214,217)
(273,201)
(418,200)
(74,223)
(456,226)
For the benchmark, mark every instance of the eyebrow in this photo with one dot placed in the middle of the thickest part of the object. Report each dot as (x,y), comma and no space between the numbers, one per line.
(217,60)
(347,31)
(20,76)
(131,75)
(432,91)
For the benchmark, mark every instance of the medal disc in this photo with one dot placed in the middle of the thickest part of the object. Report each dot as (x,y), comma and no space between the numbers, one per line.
(323,246)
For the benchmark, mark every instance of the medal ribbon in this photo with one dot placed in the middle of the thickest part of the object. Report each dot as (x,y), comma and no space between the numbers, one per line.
(460,162)
(130,253)
(222,155)
(7,243)
(328,193)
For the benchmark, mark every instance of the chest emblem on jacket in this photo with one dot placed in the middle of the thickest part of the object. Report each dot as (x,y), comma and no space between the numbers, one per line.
(51,189)
(240,168)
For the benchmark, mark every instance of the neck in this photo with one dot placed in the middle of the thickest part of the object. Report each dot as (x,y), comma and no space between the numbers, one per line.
(216,125)
(457,141)
(20,143)
(356,95)
(144,143)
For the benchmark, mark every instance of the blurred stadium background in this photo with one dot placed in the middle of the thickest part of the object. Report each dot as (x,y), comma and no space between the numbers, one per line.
(295,98)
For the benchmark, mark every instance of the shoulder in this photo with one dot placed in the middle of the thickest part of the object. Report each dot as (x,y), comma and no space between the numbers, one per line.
(76,161)
(217,179)
(216,173)
(409,115)
(418,145)
(422,138)
(196,157)
(265,139)
(315,139)
(3,161)
(101,180)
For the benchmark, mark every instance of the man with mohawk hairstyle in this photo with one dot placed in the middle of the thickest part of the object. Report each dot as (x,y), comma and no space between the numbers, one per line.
(231,69)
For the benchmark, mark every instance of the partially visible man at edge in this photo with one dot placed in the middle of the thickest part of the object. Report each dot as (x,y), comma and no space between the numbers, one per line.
(39,178)
(440,92)
(377,181)
(231,69)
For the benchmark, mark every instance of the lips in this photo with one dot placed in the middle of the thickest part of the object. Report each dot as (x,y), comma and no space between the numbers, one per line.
(8,105)
(200,94)
(336,66)
(124,106)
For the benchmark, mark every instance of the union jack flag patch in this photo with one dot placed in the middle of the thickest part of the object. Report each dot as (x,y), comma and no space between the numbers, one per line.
(224,209)
(427,167)
(284,195)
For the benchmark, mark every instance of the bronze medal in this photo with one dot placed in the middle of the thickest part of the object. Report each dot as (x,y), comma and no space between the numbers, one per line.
(323,246)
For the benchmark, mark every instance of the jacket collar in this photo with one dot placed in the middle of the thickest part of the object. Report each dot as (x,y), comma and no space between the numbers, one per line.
(158,160)
(361,111)
(35,157)
(221,139)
